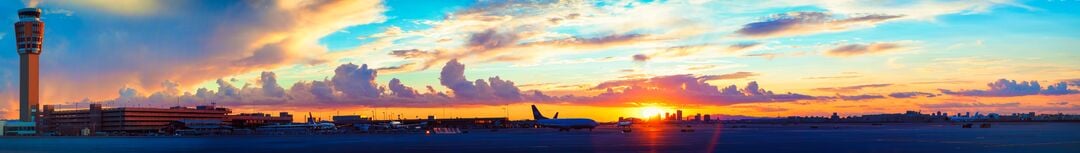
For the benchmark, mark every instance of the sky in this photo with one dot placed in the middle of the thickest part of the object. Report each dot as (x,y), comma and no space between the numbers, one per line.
(591,59)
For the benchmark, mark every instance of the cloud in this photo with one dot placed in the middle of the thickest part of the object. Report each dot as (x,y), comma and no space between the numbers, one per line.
(350,85)
(31,3)
(225,89)
(322,91)
(686,89)
(401,90)
(640,57)
(942,82)
(801,23)
(139,46)
(861,49)
(681,51)
(396,69)
(1073,82)
(1010,88)
(491,39)
(859,97)
(894,63)
(699,67)
(65,12)
(493,88)
(127,93)
(523,32)
(848,89)
(762,108)
(832,77)
(742,46)
(131,8)
(770,56)
(270,86)
(410,53)
(845,15)
(968,105)
(911,94)
(356,82)
(736,75)
(453,77)
(918,10)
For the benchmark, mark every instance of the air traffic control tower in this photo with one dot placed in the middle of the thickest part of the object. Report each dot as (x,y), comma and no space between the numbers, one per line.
(29,32)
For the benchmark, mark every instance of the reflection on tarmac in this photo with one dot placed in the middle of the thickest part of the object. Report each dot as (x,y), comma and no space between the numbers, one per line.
(1004,137)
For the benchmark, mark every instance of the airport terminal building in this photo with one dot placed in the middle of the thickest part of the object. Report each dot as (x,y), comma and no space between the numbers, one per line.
(97,120)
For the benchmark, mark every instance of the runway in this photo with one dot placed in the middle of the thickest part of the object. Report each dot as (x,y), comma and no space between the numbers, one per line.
(944,137)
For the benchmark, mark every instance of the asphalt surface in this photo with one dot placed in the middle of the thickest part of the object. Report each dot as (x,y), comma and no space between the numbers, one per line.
(1002,137)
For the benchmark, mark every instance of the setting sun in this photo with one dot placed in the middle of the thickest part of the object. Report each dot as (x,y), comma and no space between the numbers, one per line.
(650,111)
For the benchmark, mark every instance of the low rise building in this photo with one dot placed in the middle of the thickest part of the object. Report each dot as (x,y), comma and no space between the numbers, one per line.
(17,128)
(255,120)
(97,120)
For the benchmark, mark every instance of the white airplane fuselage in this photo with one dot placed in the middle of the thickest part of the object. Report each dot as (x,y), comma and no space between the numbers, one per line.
(563,124)
(570,123)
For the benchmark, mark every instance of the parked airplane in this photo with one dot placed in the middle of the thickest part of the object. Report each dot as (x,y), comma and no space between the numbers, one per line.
(563,124)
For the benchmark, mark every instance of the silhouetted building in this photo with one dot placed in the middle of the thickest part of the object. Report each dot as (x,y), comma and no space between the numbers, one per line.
(678,115)
(708,118)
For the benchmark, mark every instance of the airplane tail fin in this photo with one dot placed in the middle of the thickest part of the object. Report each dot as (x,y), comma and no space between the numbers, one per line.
(556,116)
(536,113)
(311,118)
